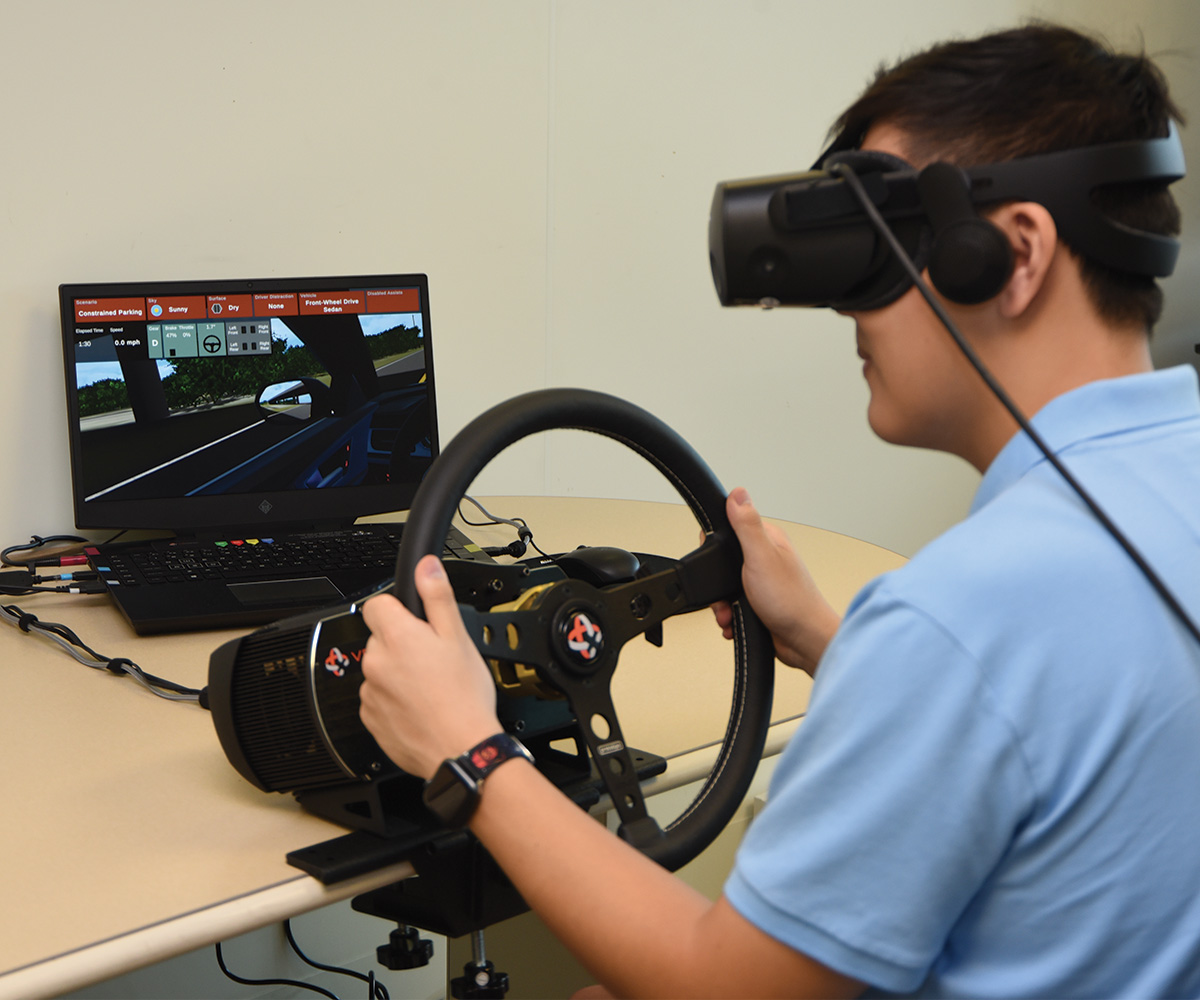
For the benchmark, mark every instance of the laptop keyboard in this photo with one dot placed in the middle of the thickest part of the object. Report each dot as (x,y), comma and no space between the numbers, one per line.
(235,559)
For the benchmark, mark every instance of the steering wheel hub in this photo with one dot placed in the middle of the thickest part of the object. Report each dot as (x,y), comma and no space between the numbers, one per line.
(580,634)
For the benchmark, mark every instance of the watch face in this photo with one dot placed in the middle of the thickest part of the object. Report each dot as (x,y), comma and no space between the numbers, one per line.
(451,795)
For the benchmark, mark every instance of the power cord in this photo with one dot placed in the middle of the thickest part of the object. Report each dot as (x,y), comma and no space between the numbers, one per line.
(269,982)
(375,989)
(77,648)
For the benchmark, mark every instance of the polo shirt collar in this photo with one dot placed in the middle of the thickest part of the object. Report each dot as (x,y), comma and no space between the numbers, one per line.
(1094,410)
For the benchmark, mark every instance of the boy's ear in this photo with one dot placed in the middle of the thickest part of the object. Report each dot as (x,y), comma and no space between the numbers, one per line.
(1033,236)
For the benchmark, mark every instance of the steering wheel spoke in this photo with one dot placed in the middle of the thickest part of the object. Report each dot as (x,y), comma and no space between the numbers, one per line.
(710,573)
(713,572)
(519,636)
(601,729)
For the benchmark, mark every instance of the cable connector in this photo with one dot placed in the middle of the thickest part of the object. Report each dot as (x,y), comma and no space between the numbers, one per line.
(67,577)
(88,587)
(515,549)
(63,561)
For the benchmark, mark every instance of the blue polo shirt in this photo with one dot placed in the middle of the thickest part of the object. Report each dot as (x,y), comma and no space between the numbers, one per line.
(996,791)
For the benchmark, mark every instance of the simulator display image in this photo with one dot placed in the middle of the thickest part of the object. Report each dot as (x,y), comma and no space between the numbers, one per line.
(200,395)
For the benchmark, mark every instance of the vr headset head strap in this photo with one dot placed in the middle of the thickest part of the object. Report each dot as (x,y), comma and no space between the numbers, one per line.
(1064,181)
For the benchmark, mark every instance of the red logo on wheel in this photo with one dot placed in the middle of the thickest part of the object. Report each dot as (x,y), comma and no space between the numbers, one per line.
(337,662)
(584,637)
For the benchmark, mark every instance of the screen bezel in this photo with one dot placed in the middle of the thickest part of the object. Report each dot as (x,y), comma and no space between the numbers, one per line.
(277,510)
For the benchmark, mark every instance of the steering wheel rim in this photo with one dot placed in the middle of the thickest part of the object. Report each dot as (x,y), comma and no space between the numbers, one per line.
(710,573)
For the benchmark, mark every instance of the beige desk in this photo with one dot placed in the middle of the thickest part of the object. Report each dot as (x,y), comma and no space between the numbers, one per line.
(128,837)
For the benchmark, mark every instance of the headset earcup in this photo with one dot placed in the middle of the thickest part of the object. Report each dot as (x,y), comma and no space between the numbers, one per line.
(970,261)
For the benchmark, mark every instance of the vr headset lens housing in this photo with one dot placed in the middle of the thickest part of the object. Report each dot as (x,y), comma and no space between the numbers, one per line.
(801,239)
(804,240)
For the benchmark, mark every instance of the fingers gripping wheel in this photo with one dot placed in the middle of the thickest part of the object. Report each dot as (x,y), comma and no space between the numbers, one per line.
(574,635)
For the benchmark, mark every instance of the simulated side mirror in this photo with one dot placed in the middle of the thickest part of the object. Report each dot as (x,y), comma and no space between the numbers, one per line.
(301,399)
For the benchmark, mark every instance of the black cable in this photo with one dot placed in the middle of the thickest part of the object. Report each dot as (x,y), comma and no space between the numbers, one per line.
(74,544)
(524,532)
(375,989)
(269,982)
(85,587)
(877,220)
(26,581)
(36,542)
(89,657)
(16,591)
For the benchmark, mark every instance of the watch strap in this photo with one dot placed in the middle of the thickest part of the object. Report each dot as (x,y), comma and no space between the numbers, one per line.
(452,794)
(485,757)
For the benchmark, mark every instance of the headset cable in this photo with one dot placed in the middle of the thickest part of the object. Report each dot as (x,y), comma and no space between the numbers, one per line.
(846,172)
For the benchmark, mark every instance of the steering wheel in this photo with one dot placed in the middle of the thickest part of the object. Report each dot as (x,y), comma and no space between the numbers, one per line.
(573,637)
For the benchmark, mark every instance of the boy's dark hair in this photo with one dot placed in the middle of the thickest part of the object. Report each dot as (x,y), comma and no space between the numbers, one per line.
(1035,89)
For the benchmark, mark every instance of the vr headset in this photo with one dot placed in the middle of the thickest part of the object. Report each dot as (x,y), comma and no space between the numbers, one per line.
(805,240)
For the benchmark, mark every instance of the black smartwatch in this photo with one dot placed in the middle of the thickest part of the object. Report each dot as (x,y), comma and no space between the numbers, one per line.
(452,794)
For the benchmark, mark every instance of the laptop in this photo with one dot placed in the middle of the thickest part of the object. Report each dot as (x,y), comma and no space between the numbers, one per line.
(251,422)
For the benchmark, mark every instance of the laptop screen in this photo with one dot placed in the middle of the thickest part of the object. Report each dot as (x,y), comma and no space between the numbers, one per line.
(275,402)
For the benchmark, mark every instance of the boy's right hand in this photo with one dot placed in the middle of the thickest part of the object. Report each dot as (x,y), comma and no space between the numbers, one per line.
(779,588)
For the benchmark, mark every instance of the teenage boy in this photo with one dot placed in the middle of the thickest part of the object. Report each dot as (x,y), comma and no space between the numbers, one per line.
(995,791)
